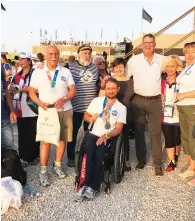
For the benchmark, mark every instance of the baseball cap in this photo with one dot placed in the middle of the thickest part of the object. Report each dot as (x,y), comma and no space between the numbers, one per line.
(25,55)
(83,48)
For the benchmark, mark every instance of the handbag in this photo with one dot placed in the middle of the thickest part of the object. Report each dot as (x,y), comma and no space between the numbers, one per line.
(32,105)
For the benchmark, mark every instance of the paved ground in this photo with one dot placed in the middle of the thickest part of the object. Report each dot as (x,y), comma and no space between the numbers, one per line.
(140,196)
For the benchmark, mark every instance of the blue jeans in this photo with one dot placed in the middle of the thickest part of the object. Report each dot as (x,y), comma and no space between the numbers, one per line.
(7,138)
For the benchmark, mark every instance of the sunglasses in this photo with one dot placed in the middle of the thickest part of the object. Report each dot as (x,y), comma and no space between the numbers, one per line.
(101,62)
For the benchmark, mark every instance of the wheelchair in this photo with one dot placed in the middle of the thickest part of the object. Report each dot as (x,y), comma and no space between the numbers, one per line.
(114,160)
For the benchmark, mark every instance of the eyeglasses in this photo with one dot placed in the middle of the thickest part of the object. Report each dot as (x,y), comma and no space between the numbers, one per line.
(101,62)
(148,43)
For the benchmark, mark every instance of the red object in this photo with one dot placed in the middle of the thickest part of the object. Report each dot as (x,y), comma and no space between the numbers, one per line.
(83,171)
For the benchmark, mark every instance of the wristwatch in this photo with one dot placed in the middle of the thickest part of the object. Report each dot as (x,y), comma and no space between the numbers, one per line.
(108,135)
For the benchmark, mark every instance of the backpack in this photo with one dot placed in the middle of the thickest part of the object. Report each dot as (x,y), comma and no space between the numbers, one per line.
(11,166)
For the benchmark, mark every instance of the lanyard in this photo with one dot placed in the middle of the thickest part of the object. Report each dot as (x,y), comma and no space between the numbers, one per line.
(183,75)
(81,75)
(52,81)
(107,109)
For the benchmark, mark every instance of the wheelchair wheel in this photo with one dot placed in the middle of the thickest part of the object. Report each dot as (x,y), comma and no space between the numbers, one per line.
(119,159)
(78,153)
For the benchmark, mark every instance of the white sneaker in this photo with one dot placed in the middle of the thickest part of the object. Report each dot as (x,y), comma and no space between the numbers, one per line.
(44,179)
(187,173)
(79,196)
(59,171)
(90,193)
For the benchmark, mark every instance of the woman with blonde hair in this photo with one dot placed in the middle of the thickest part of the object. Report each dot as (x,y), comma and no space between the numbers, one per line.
(170,119)
(186,107)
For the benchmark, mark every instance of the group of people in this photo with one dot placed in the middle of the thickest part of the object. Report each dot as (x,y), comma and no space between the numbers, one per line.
(149,87)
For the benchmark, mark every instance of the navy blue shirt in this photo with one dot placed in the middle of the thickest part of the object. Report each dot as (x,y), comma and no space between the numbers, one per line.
(4,109)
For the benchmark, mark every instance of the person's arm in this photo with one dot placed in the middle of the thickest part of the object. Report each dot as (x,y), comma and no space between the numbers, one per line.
(90,118)
(115,132)
(13,116)
(181,96)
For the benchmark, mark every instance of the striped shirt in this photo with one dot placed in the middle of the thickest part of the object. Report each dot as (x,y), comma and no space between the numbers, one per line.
(86,85)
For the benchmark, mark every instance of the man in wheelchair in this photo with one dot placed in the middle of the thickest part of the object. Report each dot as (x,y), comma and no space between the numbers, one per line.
(106,116)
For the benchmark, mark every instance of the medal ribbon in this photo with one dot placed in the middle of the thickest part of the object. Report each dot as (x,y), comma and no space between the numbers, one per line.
(52,81)
(107,109)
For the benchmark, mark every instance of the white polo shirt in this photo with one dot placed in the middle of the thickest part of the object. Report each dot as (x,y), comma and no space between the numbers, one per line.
(118,114)
(147,77)
(185,83)
(40,81)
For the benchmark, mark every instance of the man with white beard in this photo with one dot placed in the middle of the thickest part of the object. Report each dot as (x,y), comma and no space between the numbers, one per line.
(86,78)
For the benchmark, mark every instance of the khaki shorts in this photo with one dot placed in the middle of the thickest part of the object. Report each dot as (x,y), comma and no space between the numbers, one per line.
(66,128)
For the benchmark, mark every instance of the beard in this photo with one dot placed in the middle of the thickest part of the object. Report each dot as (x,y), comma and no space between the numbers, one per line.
(84,62)
(111,96)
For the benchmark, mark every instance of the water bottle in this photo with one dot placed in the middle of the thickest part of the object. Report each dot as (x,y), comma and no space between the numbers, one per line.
(31,191)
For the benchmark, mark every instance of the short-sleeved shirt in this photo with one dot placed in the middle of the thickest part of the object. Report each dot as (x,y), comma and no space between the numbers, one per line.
(146,77)
(4,109)
(117,114)
(86,85)
(47,94)
(186,83)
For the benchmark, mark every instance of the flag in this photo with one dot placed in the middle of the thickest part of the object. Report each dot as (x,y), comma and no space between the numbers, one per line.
(2,7)
(146,16)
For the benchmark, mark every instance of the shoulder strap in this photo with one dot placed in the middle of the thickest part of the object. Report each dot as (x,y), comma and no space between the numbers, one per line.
(81,75)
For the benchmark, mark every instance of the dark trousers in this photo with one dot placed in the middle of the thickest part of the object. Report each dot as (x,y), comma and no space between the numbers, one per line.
(91,170)
(7,138)
(27,145)
(77,121)
(153,110)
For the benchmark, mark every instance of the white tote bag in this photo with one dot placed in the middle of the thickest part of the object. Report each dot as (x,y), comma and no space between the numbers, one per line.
(48,126)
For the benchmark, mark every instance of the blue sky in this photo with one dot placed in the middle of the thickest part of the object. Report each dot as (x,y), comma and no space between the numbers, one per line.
(21,23)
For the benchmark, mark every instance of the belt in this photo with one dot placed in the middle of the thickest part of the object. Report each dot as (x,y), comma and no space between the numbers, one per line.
(149,97)
(50,105)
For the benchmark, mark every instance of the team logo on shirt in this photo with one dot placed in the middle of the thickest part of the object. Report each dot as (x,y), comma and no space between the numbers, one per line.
(87,77)
(189,72)
(114,113)
(63,78)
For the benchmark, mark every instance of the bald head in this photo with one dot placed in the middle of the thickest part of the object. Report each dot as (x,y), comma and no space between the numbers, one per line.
(52,55)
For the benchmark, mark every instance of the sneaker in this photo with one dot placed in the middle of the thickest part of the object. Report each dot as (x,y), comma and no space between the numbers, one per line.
(90,193)
(44,179)
(59,170)
(158,171)
(192,182)
(24,163)
(34,162)
(171,166)
(71,163)
(79,196)
(187,173)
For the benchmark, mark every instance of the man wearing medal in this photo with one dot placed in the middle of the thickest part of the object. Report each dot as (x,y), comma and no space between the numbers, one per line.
(106,116)
(56,88)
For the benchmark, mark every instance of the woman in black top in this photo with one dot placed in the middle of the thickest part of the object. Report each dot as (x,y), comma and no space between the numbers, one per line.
(124,96)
